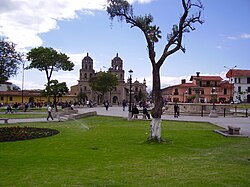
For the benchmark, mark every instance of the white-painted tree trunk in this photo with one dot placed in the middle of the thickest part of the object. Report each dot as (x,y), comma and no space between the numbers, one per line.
(155,129)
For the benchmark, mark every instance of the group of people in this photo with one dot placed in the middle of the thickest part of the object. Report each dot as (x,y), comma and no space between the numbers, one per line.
(136,111)
(14,108)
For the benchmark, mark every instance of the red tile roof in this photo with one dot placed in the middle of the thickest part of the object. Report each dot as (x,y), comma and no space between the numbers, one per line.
(207,78)
(238,73)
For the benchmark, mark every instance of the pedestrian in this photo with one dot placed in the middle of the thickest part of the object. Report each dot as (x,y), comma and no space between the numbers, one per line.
(8,110)
(145,111)
(135,111)
(176,110)
(124,104)
(106,104)
(15,106)
(50,113)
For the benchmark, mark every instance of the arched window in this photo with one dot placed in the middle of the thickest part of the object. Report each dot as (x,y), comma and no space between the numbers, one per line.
(85,75)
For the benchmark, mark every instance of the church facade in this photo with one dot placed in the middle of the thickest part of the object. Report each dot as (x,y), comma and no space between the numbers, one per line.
(118,94)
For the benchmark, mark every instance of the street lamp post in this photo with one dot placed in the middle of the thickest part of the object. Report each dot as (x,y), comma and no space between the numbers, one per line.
(130,94)
(230,81)
(213,112)
(22,83)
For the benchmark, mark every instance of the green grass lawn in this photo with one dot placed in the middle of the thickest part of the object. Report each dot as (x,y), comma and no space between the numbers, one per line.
(115,152)
(23,115)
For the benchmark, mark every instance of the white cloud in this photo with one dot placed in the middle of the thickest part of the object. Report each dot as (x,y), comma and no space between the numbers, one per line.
(232,38)
(140,1)
(28,85)
(170,81)
(245,36)
(69,77)
(165,81)
(76,58)
(23,20)
(219,47)
(242,36)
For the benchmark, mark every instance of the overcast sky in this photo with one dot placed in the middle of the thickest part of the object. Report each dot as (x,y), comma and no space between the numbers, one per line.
(76,27)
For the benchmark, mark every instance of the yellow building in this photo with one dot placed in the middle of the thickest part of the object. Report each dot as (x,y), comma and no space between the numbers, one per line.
(29,96)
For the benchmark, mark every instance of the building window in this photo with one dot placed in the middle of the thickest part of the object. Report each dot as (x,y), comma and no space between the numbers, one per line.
(202,92)
(85,75)
(248,89)
(225,91)
(208,83)
(239,88)
(248,80)
(235,80)
(189,91)
(176,92)
(85,88)
(11,98)
(136,89)
(1,98)
(115,89)
(239,80)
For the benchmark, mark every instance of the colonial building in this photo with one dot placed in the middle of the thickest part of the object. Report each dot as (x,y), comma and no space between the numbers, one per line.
(29,96)
(117,95)
(199,90)
(241,81)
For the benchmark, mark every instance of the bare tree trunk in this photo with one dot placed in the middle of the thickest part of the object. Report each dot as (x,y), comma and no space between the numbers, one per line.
(155,125)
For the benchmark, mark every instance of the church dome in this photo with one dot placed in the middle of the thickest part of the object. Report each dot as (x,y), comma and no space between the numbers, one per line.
(117,58)
(87,58)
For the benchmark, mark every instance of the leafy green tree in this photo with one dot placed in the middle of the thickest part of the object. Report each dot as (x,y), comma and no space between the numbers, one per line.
(10,59)
(103,82)
(152,33)
(56,90)
(141,95)
(81,97)
(48,60)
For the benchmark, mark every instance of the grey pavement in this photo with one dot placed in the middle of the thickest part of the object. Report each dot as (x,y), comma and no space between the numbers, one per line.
(242,122)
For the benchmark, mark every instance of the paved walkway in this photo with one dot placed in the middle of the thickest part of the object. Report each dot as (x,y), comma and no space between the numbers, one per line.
(242,122)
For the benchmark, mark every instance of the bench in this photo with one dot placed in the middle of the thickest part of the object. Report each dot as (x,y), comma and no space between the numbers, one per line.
(4,119)
(135,116)
(233,130)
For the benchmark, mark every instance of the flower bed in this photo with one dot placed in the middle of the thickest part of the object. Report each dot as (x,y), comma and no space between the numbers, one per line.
(24,133)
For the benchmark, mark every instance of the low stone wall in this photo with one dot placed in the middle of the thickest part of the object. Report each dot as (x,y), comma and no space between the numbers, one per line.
(68,111)
(197,108)
(84,115)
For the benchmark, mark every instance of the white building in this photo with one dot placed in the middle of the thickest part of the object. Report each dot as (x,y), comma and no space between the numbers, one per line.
(241,81)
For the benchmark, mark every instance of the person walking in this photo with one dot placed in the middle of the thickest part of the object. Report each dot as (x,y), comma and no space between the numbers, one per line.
(176,110)
(145,111)
(50,113)
(135,111)
(124,104)
(106,104)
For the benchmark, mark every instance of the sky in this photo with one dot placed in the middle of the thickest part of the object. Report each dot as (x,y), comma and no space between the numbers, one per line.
(78,27)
